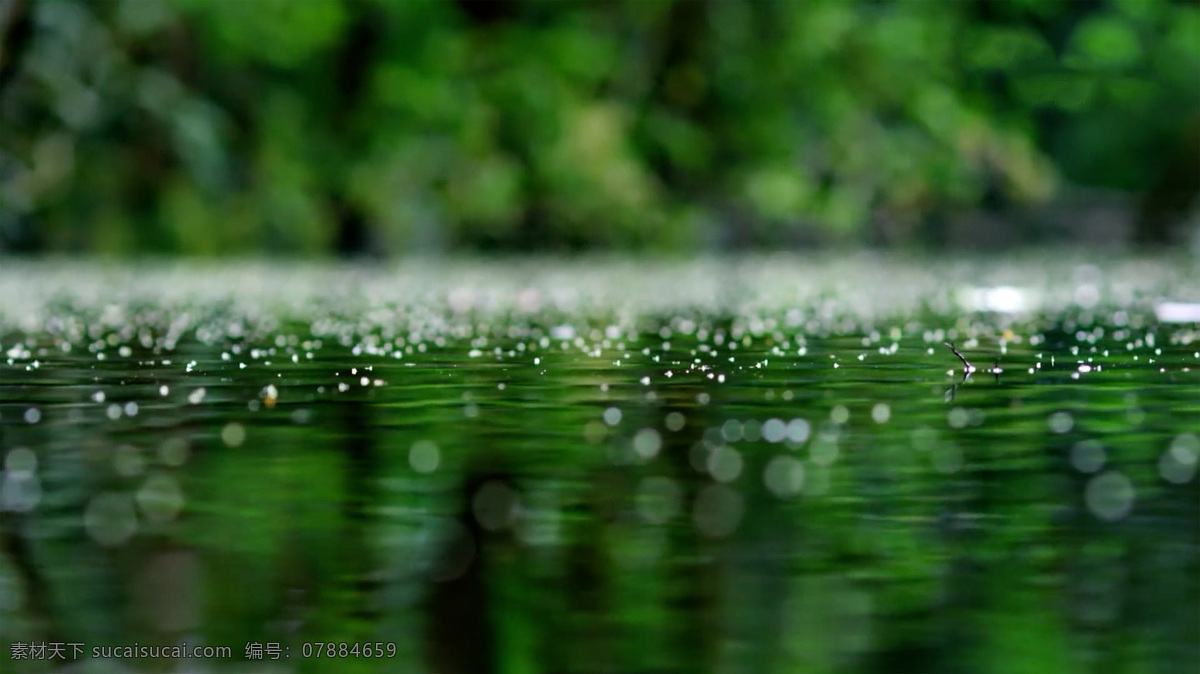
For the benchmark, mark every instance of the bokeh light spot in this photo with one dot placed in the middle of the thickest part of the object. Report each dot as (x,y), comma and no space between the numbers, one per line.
(1110,496)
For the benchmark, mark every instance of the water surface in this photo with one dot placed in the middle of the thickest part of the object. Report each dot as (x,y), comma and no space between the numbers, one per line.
(767,464)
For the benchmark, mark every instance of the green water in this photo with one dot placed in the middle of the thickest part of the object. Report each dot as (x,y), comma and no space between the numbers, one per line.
(767,465)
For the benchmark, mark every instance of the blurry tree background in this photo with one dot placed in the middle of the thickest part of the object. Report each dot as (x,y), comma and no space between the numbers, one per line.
(314,127)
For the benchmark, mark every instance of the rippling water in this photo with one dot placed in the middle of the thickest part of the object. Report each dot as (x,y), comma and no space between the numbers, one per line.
(756,465)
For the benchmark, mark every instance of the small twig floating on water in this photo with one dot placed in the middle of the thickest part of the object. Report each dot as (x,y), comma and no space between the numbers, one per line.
(967,370)
(967,366)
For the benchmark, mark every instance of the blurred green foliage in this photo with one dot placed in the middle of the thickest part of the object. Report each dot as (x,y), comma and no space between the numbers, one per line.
(308,127)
